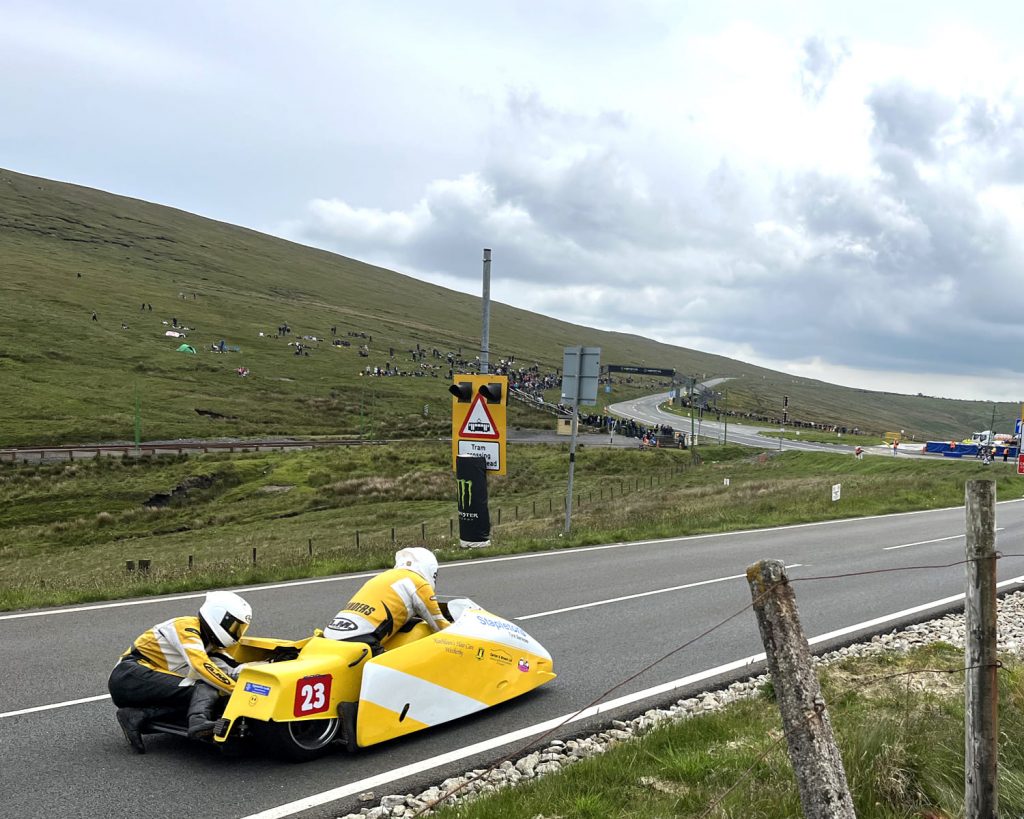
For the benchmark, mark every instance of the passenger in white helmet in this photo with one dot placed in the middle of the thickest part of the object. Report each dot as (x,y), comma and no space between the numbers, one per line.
(176,667)
(386,602)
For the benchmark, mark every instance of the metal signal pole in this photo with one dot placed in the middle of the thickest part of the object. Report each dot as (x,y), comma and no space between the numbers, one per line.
(572,440)
(485,340)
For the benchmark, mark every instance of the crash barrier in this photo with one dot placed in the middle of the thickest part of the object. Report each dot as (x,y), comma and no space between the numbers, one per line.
(535,402)
(958,449)
(670,441)
(70,453)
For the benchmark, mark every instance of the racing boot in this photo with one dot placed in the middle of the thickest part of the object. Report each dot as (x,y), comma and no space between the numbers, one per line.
(135,721)
(200,711)
(131,720)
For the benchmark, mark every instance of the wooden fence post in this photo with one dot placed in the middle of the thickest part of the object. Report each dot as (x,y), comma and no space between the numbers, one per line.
(981,688)
(817,765)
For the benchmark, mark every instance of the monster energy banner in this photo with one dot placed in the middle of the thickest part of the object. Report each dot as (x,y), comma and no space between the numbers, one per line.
(471,483)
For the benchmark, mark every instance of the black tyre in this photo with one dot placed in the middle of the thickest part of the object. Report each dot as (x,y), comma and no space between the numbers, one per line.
(301,741)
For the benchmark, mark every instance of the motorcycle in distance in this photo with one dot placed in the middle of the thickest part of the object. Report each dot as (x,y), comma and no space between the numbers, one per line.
(300,697)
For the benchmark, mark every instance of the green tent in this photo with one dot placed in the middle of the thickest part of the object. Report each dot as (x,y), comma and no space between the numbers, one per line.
(187,348)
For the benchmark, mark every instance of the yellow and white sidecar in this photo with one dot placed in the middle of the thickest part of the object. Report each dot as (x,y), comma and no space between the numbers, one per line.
(337,691)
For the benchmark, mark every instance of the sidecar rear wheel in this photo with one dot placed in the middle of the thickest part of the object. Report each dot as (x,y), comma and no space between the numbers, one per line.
(301,741)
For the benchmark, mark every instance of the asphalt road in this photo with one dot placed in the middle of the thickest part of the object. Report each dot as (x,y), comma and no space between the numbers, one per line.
(603,612)
(647,411)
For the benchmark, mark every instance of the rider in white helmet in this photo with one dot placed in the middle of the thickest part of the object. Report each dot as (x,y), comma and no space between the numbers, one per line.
(175,667)
(386,602)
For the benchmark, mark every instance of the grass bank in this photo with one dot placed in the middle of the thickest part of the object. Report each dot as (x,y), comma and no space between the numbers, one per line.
(898,725)
(68,530)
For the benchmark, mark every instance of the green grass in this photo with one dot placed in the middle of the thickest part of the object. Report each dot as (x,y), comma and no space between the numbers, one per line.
(899,730)
(68,379)
(67,530)
(814,437)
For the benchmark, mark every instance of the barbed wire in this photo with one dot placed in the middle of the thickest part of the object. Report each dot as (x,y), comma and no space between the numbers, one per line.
(540,739)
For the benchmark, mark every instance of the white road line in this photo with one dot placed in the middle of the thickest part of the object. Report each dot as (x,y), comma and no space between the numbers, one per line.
(935,540)
(526,617)
(840,632)
(640,594)
(925,543)
(501,559)
(36,708)
(387,777)
(191,596)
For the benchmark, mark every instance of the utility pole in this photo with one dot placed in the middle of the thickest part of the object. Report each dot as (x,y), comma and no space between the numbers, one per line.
(138,422)
(572,440)
(485,338)
(725,437)
(693,384)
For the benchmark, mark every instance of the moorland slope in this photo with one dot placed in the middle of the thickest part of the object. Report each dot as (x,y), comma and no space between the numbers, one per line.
(69,253)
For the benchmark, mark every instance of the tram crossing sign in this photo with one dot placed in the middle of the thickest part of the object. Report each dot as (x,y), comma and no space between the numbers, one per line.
(479,405)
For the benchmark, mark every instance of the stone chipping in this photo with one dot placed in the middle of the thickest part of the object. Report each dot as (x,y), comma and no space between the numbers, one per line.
(556,754)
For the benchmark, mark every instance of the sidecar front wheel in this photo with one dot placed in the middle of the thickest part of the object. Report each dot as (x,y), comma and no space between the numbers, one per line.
(303,740)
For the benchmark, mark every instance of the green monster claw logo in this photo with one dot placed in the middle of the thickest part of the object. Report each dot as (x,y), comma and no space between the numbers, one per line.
(465,493)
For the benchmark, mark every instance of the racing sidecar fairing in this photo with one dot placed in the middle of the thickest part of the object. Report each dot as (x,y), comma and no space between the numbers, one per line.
(338,691)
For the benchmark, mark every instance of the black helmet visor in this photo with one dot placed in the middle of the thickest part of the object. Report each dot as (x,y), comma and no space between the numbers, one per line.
(233,626)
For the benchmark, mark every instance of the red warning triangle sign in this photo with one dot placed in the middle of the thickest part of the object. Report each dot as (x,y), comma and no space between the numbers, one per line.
(479,423)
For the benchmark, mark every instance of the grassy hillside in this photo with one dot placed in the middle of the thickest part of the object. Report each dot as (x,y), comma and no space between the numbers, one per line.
(67,251)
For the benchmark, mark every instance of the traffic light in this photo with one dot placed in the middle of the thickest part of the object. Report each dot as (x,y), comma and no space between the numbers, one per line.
(463,392)
(491,392)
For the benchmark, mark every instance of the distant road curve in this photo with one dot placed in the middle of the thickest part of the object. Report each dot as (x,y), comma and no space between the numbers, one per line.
(647,410)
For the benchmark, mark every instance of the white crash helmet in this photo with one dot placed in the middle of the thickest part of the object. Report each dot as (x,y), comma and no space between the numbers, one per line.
(226,616)
(419,560)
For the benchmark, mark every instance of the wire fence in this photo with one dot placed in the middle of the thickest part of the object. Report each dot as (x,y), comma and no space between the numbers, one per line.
(509,515)
(538,741)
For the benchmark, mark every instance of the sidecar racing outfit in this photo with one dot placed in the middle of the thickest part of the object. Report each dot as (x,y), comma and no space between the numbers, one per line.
(388,601)
(173,667)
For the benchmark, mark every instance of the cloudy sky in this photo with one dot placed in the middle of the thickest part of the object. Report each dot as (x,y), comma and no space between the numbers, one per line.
(831,189)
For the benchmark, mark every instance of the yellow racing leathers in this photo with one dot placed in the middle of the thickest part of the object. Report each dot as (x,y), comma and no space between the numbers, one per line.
(152,671)
(383,605)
